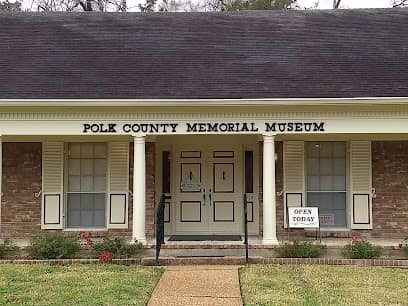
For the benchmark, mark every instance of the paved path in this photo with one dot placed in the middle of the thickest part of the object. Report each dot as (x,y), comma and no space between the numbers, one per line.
(198,286)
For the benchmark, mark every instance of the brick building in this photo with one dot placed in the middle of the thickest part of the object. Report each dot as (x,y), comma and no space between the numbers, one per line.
(100,114)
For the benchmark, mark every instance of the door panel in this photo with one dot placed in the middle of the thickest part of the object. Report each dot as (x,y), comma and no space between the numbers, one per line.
(226,193)
(191,215)
(223,177)
(190,211)
(224,211)
(208,196)
(190,177)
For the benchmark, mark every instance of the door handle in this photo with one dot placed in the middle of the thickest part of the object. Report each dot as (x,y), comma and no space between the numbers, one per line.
(210,196)
(204,197)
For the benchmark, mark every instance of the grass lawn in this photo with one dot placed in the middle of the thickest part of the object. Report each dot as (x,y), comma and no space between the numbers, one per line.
(77,284)
(323,285)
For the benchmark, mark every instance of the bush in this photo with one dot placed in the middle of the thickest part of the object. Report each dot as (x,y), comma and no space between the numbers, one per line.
(362,250)
(3,250)
(105,258)
(118,247)
(53,246)
(6,247)
(300,250)
(404,246)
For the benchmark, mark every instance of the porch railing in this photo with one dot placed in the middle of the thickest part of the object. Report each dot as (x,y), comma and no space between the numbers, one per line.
(160,225)
(246,227)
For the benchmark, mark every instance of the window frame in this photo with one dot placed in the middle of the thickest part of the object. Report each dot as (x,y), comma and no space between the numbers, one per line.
(66,188)
(347,183)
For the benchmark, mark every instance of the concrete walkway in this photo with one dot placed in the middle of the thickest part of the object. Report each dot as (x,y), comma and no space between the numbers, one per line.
(198,286)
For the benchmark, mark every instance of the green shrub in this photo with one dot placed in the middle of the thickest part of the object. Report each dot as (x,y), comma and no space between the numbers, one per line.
(362,250)
(3,250)
(404,246)
(53,246)
(117,246)
(6,247)
(300,250)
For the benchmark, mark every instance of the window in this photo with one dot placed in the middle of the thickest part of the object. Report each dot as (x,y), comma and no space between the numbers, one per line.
(326,181)
(86,186)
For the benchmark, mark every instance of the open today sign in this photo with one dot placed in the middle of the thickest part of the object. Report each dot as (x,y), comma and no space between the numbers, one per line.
(303,217)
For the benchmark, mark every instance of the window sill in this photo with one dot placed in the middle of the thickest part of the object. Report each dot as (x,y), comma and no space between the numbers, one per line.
(330,229)
(102,229)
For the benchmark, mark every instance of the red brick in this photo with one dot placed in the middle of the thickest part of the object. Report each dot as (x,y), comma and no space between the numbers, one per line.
(390,179)
(21,179)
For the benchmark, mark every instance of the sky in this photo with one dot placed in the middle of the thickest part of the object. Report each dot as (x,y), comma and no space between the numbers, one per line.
(324,4)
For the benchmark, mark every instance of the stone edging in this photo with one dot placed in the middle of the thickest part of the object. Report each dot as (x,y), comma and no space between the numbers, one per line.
(234,260)
(181,246)
(337,261)
(228,260)
(127,261)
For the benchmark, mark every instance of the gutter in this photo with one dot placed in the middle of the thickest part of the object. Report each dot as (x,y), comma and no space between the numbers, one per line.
(205,102)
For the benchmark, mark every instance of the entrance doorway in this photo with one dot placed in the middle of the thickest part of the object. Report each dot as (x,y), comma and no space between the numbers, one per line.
(226,165)
(208,190)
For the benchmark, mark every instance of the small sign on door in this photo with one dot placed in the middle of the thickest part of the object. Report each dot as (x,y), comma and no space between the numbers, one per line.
(190,186)
(303,217)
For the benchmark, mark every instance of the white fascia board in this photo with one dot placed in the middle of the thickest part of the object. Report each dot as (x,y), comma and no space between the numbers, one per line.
(202,102)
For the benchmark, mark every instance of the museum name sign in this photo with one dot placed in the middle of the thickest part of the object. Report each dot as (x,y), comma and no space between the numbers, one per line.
(203,127)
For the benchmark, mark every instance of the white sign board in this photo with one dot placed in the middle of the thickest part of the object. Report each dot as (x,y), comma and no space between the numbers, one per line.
(326,220)
(190,186)
(303,217)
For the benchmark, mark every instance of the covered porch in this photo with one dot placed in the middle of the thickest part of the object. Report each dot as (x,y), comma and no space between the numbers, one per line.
(354,171)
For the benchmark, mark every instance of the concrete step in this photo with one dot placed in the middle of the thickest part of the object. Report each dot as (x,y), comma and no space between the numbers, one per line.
(186,261)
(211,252)
(210,245)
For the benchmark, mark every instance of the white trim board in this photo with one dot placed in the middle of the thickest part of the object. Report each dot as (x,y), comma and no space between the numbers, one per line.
(330,126)
(203,102)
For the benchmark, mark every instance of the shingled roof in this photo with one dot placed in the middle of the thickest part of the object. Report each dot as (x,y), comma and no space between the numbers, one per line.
(258,54)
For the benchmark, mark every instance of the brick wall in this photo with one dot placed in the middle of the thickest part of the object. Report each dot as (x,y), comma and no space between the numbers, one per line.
(279,188)
(21,179)
(150,188)
(390,179)
(20,212)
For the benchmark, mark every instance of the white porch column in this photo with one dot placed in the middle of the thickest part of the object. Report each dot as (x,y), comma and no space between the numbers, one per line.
(268,188)
(139,189)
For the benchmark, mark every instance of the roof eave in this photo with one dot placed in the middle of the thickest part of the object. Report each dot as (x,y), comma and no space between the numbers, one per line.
(204,102)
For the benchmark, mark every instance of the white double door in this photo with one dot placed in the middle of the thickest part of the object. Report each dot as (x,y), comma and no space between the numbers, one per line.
(208,193)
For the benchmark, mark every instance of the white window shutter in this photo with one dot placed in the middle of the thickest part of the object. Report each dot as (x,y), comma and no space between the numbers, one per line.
(118,185)
(53,185)
(360,182)
(293,174)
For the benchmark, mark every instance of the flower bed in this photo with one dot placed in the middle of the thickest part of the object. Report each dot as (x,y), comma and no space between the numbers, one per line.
(68,246)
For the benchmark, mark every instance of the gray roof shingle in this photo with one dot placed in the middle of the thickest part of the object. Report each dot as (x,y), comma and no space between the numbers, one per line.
(258,54)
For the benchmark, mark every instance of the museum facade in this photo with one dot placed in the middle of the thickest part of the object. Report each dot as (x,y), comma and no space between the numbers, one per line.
(290,109)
